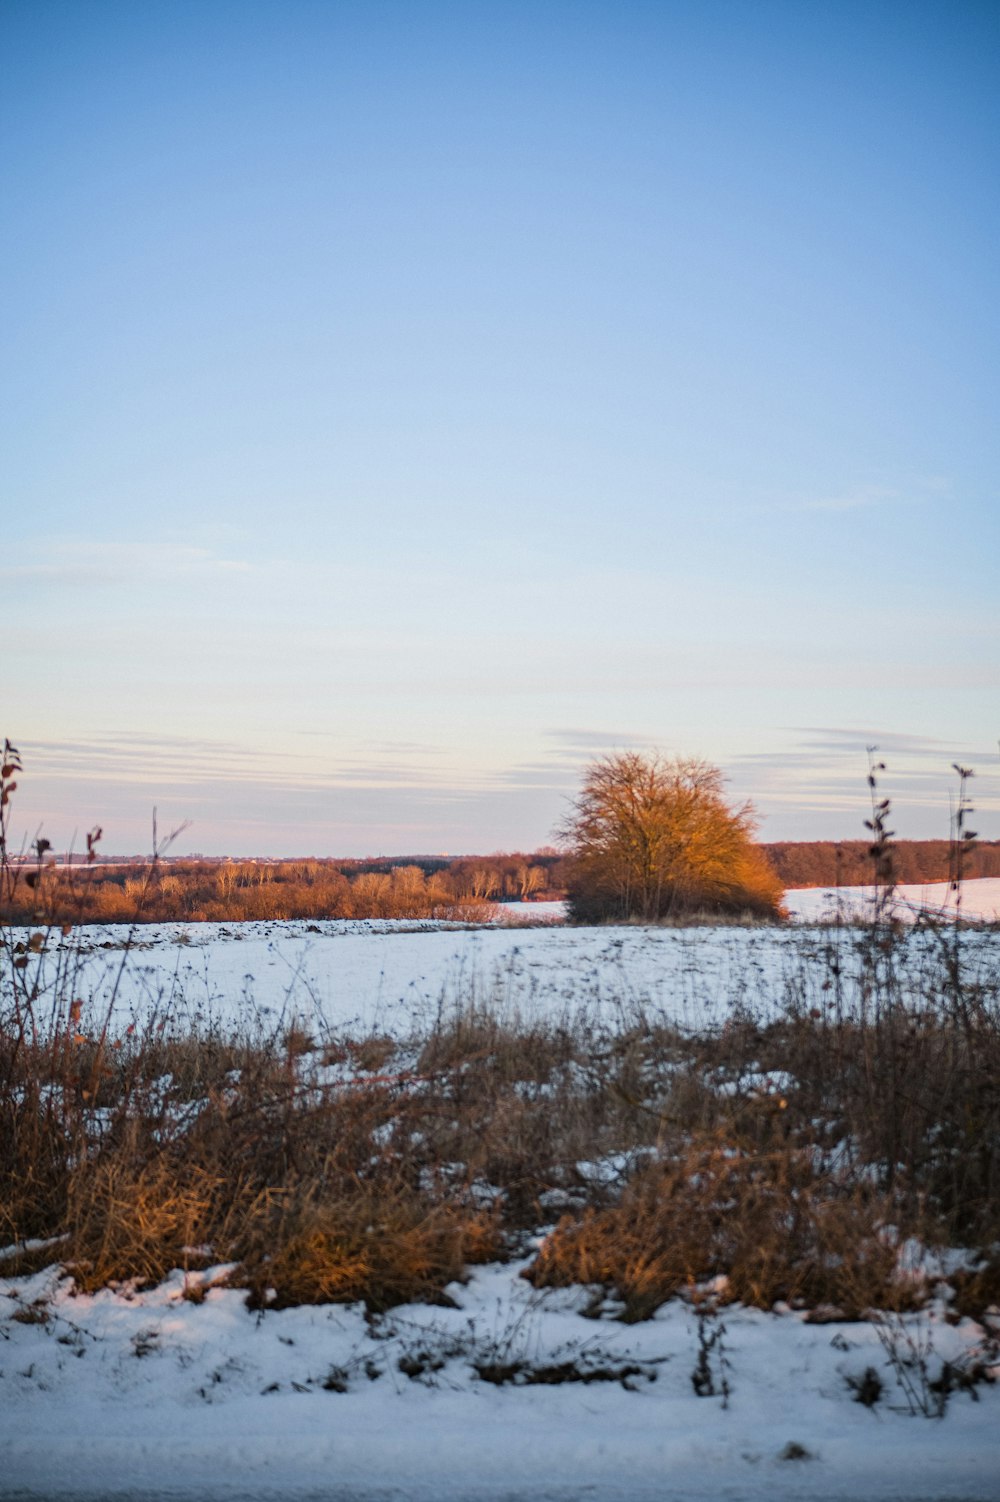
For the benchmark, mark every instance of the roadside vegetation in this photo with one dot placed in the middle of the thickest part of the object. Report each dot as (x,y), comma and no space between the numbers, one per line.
(816,1160)
(791,1160)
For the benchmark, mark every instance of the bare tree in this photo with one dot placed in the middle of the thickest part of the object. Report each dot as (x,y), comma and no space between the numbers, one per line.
(484,882)
(651,837)
(529,879)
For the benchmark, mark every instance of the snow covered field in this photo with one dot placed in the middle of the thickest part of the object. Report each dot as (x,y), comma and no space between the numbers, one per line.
(980,901)
(396,976)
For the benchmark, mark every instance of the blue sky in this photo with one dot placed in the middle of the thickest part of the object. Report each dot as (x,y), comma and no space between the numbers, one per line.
(403,403)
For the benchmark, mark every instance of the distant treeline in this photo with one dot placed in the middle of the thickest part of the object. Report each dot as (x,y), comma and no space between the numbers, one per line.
(823,863)
(199,891)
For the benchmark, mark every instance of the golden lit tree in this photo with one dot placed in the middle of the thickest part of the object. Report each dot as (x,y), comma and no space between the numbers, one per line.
(653,837)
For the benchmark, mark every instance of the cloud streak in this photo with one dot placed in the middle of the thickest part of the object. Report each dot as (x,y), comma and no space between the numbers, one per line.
(825,774)
(868,497)
(81,563)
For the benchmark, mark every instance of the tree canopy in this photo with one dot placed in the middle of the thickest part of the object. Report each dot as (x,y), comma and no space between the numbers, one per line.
(653,837)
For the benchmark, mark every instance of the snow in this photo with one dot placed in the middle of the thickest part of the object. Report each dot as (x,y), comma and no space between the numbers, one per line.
(980,901)
(364,975)
(394,977)
(520,913)
(119,1393)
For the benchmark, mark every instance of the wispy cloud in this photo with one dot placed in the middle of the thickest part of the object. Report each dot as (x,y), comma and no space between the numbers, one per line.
(558,768)
(539,775)
(889,743)
(80,562)
(826,771)
(869,496)
(144,759)
(587,742)
(860,499)
(180,764)
(235,800)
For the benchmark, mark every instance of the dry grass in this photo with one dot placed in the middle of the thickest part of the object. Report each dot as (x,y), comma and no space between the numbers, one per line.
(977,1290)
(766,1223)
(346,1169)
(364,1244)
(127,1219)
(310,1188)
(776,1156)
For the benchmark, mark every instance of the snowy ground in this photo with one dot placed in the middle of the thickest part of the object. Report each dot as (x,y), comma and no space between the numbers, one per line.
(394,977)
(115,1395)
(397,976)
(980,901)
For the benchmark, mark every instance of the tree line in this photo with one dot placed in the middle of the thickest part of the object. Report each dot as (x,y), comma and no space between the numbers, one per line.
(826,863)
(238,891)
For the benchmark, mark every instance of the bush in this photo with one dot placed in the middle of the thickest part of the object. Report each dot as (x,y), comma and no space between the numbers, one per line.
(766,1222)
(654,838)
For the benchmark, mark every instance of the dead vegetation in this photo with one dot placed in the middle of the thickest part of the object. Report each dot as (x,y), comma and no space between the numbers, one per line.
(760,1227)
(781,1162)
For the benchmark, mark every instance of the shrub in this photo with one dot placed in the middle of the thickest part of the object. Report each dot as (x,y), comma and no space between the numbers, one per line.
(654,838)
(382,1246)
(765,1222)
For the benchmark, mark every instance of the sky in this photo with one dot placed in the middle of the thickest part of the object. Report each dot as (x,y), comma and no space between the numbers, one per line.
(402,404)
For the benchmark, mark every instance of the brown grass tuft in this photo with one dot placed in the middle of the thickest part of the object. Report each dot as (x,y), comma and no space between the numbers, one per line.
(377,1246)
(766,1222)
(129,1220)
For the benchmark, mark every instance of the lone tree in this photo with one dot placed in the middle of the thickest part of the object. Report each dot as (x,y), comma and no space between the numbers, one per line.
(653,837)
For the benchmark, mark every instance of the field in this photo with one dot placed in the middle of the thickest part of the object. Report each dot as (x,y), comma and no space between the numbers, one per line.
(398,974)
(976,901)
(417,1209)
